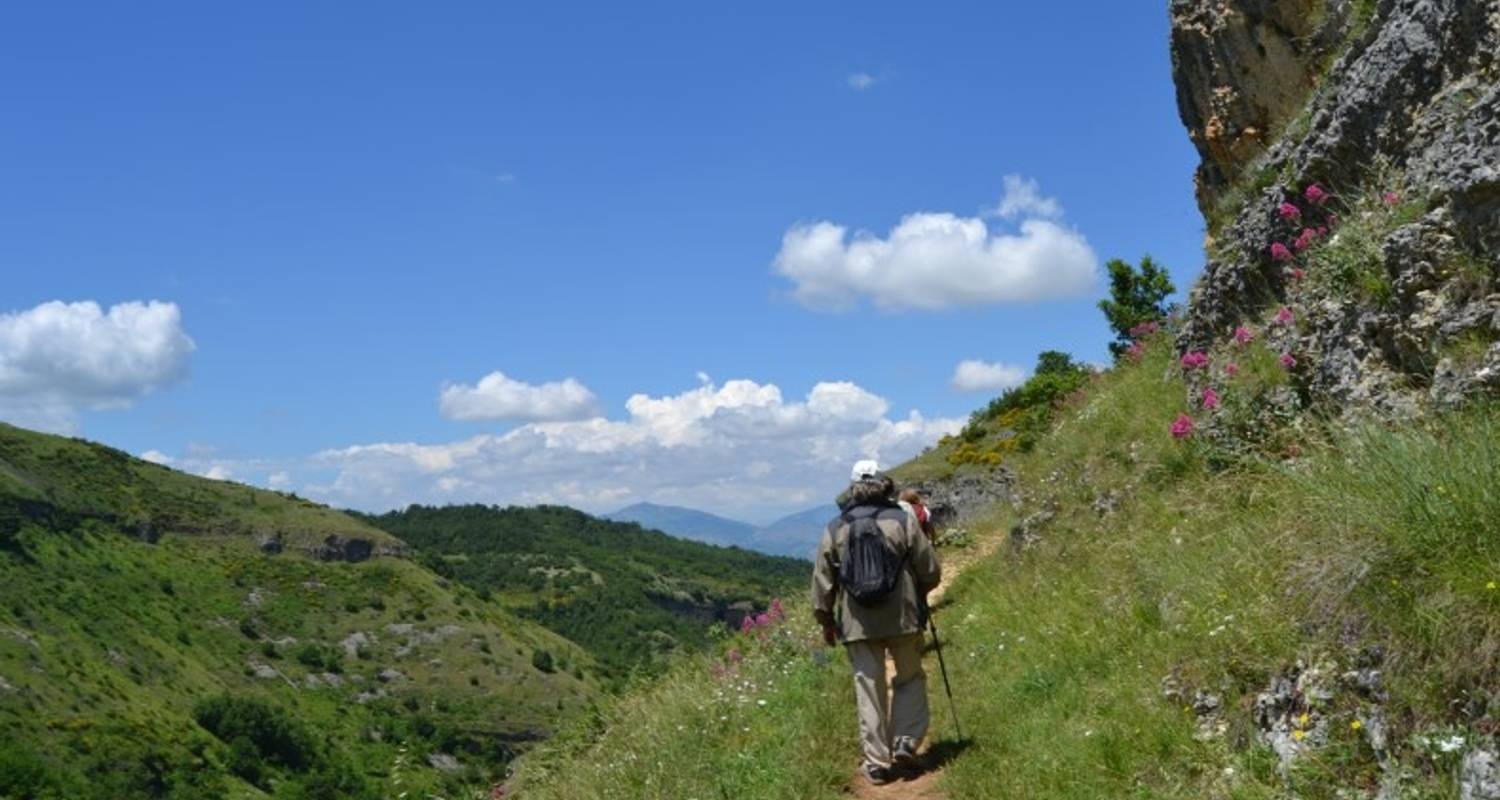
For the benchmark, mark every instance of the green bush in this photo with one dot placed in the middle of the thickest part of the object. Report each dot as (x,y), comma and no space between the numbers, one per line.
(276,737)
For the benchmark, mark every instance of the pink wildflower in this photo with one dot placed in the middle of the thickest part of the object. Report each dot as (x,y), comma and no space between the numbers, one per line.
(1135,351)
(1182,427)
(762,620)
(1315,194)
(777,612)
(1307,239)
(1333,220)
(1284,316)
(1194,360)
(1210,399)
(1289,212)
(1298,274)
(1242,335)
(1322,231)
(1231,369)
(1144,329)
(1288,360)
(1390,198)
(1279,252)
(747,624)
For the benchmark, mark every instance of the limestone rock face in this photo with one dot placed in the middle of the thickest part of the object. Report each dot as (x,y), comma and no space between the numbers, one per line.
(1358,98)
(1243,69)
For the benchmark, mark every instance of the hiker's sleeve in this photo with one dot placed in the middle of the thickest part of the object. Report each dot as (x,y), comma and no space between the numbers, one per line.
(824,586)
(924,559)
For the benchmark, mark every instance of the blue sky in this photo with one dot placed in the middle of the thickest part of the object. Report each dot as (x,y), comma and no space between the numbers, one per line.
(349,209)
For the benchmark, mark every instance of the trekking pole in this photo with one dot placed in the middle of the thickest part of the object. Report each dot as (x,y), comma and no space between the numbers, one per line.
(937,645)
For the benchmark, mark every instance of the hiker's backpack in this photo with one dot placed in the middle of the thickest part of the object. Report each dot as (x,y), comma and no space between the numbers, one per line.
(869,569)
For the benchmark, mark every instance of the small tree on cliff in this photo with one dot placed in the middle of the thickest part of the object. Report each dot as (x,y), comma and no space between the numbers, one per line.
(1136,296)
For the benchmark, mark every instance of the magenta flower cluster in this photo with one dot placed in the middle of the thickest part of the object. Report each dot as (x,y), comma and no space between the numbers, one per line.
(1182,427)
(1311,233)
(759,623)
(1194,360)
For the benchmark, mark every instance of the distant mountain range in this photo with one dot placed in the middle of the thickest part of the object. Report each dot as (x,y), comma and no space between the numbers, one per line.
(794,535)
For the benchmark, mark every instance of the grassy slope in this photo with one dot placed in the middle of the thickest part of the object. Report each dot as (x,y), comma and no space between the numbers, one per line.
(627,594)
(1208,580)
(107,641)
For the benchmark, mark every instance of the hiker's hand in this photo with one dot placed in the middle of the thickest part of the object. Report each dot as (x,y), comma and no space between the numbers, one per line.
(830,635)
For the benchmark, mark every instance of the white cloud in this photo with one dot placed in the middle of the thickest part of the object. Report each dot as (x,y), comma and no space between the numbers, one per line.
(505,177)
(983,376)
(937,260)
(60,358)
(498,397)
(1023,198)
(861,81)
(218,472)
(157,457)
(737,448)
(279,480)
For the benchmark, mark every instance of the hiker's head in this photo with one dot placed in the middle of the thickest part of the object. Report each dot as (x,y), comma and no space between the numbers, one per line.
(868,491)
(911,496)
(889,484)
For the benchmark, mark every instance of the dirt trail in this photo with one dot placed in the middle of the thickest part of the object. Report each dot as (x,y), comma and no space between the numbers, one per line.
(922,783)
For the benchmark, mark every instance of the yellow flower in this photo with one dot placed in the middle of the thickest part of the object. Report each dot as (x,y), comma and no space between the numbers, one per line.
(1441,490)
(1302,720)
(1299,735)
(1356,725)
(1491,586)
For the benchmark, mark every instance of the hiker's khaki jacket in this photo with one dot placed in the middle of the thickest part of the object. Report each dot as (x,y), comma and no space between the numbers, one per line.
(899,612)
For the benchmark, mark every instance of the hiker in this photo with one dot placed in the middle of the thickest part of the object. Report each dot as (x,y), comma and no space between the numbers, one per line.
(912,500)
(870,582)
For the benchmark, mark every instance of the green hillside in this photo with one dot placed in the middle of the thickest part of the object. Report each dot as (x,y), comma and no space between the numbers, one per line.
(163,635)
(631,596)
(1160,618)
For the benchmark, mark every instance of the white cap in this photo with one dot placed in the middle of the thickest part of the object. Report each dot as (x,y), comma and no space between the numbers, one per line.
(864,469)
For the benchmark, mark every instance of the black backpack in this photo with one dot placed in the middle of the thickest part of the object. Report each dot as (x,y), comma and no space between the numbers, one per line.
(869,569)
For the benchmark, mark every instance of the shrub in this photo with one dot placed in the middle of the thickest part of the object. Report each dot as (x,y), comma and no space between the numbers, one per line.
(276,737)
(1136,297)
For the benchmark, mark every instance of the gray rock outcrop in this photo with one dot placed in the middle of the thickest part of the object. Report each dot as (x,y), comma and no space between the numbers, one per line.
(1281,96)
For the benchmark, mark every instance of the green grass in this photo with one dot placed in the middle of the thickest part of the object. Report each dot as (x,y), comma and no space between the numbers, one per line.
(1214,575)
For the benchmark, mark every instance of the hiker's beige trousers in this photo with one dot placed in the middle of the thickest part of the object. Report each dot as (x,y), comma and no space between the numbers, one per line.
(887,714)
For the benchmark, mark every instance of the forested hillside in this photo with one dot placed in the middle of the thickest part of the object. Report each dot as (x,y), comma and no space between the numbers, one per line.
(163,635)
(630,596)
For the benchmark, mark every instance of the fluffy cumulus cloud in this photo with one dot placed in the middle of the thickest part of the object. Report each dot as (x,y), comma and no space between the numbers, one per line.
(58,359)
(499,397)
(861,81)
(983,376)
(739,448)
(938,260)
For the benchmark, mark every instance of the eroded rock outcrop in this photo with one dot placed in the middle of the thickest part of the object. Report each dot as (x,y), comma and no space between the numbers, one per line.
(1397,299)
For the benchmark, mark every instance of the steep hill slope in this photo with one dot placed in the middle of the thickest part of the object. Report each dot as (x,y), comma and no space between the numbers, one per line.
(163,635)
(1163,619)
(687,523)
(631,596)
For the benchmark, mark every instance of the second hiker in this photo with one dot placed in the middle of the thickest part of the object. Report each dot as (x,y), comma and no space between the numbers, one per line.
(870,582)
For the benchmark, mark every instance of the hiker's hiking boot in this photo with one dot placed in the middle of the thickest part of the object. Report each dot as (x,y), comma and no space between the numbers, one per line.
(905,752)
(877,775)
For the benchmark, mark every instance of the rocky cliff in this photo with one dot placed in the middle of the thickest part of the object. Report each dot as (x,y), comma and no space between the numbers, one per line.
(1350,180)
